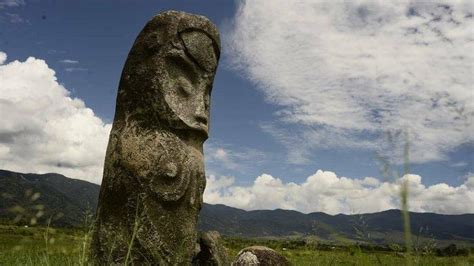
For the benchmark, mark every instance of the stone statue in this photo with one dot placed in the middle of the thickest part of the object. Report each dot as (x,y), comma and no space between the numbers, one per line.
(154,177)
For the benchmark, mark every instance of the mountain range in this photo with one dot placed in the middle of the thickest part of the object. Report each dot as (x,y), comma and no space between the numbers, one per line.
(34,198)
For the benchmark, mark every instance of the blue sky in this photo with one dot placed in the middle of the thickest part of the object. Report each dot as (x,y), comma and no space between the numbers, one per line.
(300,88)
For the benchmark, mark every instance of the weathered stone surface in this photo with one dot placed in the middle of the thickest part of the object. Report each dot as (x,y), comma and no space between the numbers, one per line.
(259,255)
(211,250)
(154,178)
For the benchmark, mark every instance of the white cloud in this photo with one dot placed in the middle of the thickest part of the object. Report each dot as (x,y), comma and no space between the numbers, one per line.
(226,157)
(14,18)
(325,192)
(222,156)
(460,164)
(11,3)
(43,129)
(69,61)
(3,58)
(75,69)
(348,72)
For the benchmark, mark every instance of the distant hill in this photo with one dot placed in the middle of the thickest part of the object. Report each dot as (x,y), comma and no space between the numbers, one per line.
(22,195)
(381,227)
(73,198)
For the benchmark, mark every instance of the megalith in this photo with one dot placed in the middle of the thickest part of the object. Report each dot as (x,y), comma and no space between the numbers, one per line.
(259,255)
(154,179)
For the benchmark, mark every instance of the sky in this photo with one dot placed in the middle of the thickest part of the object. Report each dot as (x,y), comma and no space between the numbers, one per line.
(317,105)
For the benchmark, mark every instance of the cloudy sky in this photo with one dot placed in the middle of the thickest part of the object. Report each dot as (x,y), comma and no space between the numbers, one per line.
(314,105)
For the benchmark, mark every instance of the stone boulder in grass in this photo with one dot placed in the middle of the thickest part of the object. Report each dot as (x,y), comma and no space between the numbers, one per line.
(259,255)
(211,250)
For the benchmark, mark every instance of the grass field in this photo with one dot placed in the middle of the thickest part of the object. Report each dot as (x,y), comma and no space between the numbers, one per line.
(48,246)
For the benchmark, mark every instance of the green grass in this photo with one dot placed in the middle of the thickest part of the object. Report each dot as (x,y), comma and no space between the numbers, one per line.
(42,246)
(48,246)
(303,254)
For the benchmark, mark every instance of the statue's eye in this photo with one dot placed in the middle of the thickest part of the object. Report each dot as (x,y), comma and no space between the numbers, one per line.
(178,67)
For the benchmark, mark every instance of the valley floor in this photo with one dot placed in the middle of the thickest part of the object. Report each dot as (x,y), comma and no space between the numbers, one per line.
(49,246)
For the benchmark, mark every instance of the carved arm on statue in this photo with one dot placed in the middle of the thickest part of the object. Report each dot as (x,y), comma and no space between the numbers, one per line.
(160,164)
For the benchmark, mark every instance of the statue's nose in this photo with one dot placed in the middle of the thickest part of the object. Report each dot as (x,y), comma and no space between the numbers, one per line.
(201,115)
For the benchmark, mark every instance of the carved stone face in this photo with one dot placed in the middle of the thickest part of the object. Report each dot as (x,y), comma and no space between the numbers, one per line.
(190,73)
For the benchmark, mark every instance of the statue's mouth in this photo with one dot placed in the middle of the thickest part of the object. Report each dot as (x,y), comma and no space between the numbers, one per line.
(201,120)
(201,123)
